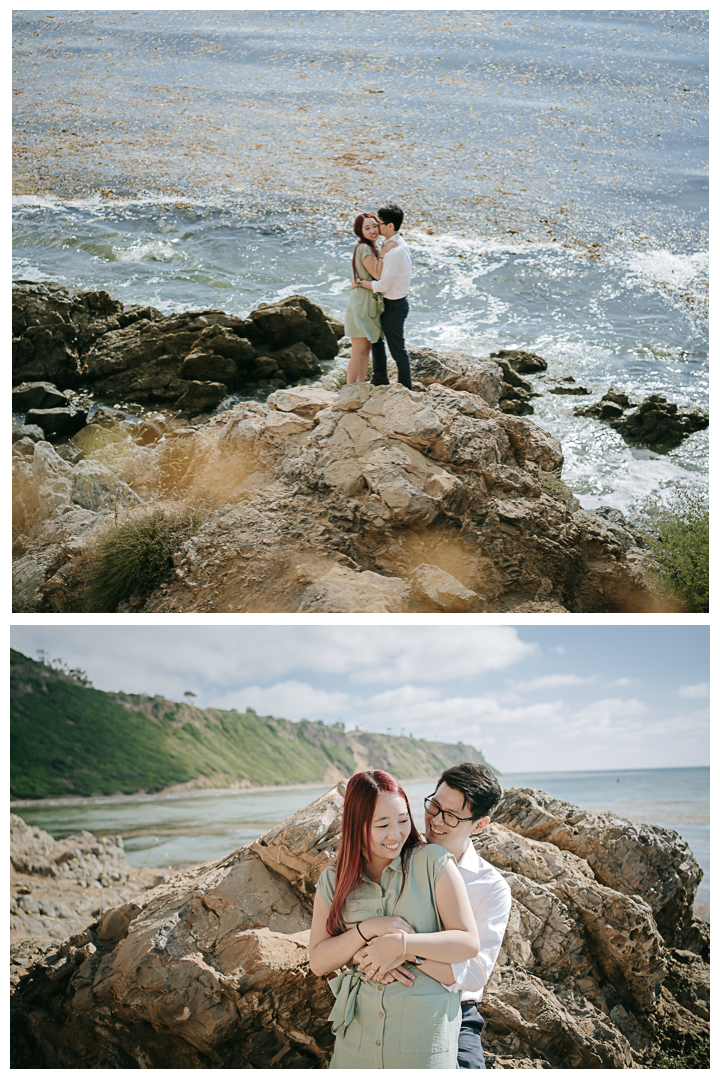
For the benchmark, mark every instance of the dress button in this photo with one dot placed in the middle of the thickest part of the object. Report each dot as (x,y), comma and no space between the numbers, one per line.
(381,1013)
(378,1042)
(379,911)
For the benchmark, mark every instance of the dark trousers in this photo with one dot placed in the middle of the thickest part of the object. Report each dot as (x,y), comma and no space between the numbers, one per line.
(392,321)
(470,1051)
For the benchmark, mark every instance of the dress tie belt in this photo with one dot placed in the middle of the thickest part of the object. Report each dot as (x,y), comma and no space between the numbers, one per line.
(345,987)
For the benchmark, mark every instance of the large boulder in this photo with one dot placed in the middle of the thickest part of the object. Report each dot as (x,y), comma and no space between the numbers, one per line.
(209,970)
(72,336)
(644,860)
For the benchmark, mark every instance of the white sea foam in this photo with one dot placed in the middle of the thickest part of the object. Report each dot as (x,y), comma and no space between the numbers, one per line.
(666,268)
(149,251)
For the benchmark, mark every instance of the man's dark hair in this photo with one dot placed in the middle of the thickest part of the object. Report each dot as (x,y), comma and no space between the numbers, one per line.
(391,215)
(478,783)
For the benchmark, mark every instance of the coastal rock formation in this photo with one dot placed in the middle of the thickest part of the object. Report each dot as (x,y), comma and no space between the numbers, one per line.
(656,421)
(58,887)
(210,969)
(311,492)
(195,359)
(644,860)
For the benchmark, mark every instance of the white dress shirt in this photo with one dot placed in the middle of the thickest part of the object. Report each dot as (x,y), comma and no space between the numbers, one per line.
(397,271)
(491,900)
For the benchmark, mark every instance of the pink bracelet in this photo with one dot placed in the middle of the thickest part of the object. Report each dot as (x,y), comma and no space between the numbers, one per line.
(404,937)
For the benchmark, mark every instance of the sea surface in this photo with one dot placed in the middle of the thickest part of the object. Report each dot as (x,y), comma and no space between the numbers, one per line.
(181,830)
(552,165)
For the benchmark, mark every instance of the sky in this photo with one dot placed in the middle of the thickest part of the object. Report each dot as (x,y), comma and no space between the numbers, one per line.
(533,699)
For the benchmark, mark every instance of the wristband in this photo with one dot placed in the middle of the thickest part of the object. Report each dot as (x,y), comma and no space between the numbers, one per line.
(365,939)
(404,937)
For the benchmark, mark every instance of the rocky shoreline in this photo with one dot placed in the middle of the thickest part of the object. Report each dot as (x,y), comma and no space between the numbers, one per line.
(603,964)
(366,499)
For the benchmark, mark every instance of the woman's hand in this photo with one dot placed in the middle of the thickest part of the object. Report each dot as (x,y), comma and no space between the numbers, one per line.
(383,954)
(388,246)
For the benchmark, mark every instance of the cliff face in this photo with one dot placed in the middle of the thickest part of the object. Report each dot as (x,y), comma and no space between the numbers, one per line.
(210,970)
(67,739)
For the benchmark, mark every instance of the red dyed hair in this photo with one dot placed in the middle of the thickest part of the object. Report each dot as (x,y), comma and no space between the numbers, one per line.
(360,799)
(357,229)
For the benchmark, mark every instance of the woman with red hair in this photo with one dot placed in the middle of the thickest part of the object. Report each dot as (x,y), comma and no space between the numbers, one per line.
(362,316)
(391,900)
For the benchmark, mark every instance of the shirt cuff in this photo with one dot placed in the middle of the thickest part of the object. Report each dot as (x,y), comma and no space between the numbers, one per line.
(459,971)
(376,286)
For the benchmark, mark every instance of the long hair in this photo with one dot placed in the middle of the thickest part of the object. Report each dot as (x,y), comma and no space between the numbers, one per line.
(360,799)
(357,229)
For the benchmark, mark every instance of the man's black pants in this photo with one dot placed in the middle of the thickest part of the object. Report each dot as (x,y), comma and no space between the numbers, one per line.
(392,321)
(470,1051)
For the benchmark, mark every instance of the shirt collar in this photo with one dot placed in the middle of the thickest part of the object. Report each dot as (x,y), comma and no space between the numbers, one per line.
(470,860)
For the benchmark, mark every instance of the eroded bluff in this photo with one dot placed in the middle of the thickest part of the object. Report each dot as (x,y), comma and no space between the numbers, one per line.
(210,970)
(371,499)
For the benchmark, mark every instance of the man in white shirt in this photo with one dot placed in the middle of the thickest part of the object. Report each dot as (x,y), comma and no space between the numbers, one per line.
(457,810)
(393,284)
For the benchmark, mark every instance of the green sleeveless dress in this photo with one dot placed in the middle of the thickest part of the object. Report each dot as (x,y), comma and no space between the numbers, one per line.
(394,1026)
(362,316)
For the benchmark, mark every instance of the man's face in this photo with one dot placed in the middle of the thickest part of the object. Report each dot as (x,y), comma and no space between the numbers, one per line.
(386,230)
(437,832)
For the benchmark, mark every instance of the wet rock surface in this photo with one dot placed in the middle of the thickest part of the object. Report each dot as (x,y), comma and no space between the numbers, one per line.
(361,487)
(209,970)
(655,421)
(73,337)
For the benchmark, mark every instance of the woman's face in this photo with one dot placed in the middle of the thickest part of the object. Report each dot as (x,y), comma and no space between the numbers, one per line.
(370,229)
(390,828)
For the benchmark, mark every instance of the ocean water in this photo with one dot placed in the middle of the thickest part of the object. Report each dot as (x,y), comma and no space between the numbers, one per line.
(552,165)
(181,830)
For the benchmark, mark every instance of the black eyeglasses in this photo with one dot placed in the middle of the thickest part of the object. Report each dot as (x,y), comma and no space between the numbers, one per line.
(451,820)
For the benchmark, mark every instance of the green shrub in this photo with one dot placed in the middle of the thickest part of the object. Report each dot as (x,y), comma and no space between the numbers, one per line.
(678,535)
(133,556)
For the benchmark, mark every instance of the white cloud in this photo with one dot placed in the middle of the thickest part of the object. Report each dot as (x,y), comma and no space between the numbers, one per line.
(172,659)
(552,682)
(623,682)
(610,717)
(700,690)
(289,700)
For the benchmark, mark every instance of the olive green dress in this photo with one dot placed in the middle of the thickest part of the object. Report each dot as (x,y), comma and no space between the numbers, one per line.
(362,316)
(394,1026)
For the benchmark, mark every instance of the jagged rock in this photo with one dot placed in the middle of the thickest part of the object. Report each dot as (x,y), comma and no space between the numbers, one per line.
(344,590)
(210,969)
(305,401)
(201,396)
(576,391)
(37,395)
(82,855)
(95,487)
(644,860)
(443,590)
(359,483)
(71,336)
(42,482)
(57,421)
(525,362)
(28,431)
(610,407)
(457,371)
(658,422)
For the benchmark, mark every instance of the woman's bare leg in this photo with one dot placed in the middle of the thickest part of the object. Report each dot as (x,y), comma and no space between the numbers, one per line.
(358,365)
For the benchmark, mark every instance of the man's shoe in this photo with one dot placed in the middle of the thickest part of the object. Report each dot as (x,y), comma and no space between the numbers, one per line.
(380,382)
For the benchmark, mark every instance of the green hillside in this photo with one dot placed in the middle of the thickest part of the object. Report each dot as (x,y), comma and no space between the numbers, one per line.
(68,739)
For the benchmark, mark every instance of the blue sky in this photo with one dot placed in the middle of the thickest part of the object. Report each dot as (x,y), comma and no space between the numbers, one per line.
(531,698)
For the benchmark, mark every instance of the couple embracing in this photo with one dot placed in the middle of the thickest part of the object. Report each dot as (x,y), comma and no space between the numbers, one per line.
(378,304)
(415,926)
